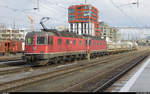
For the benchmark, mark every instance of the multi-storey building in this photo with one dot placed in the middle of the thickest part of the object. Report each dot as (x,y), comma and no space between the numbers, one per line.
(111,33)
(83,20)
(12,34)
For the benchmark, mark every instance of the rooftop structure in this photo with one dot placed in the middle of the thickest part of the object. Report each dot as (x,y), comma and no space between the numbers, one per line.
(83,19)
(12,34)
(111,33)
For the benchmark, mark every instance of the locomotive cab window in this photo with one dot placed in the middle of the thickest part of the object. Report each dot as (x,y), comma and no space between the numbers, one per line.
(41,40)
(29,40)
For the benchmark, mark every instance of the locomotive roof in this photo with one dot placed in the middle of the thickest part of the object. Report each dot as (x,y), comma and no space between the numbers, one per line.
(62,34)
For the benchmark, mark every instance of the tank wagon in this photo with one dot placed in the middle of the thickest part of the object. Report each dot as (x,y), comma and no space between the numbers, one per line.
(121,46)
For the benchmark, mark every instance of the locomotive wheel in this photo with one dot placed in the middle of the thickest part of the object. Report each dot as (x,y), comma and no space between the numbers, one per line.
(55,60)
(61,61)
(40,63)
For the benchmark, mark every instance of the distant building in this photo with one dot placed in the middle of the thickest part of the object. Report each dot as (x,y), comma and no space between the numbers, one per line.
(83,19)
(12,34)
(111,33)
(63,28)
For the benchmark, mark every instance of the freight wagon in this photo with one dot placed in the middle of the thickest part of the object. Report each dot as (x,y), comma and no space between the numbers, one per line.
(121,46)
(9,46)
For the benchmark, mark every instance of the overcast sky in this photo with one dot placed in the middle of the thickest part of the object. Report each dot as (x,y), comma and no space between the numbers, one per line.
(113,12)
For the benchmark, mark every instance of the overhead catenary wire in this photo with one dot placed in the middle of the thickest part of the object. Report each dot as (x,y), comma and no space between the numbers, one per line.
(137,20)
(130,18)
(50,10)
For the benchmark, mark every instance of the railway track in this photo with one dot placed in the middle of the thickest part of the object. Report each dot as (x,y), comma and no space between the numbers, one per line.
(54,73)
(9,58)
(12,63)
(103,80)
(19,66)
(11,70)
(119,74)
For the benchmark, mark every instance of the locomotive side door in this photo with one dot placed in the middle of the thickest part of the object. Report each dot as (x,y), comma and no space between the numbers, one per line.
(7,44)
(69,44)
(50,43)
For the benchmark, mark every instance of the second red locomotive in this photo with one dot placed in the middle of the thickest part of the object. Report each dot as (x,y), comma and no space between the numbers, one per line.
(11,46)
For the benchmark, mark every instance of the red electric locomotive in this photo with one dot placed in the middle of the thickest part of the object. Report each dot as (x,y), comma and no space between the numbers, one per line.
(54,46)
(51,46)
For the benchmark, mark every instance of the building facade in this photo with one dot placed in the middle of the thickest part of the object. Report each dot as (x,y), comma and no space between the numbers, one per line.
(83,19)
(111,33)
(12,34)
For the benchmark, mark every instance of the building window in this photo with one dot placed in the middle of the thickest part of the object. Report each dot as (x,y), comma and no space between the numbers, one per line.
(82,28)
(86,7)
(79,11)
(77,28)
(85,27)
(88,28)
(86,13)
(71,26)
(79,7)
(71,10)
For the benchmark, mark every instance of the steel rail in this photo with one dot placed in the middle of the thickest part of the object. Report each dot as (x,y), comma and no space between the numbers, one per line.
(83,83)
(54,73)
(116,77)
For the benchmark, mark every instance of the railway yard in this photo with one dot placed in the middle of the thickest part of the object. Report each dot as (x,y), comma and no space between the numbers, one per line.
(95,75)
(74,46)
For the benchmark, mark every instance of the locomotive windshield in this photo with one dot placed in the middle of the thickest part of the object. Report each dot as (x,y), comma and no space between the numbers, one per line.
(41,40)
(29,40)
